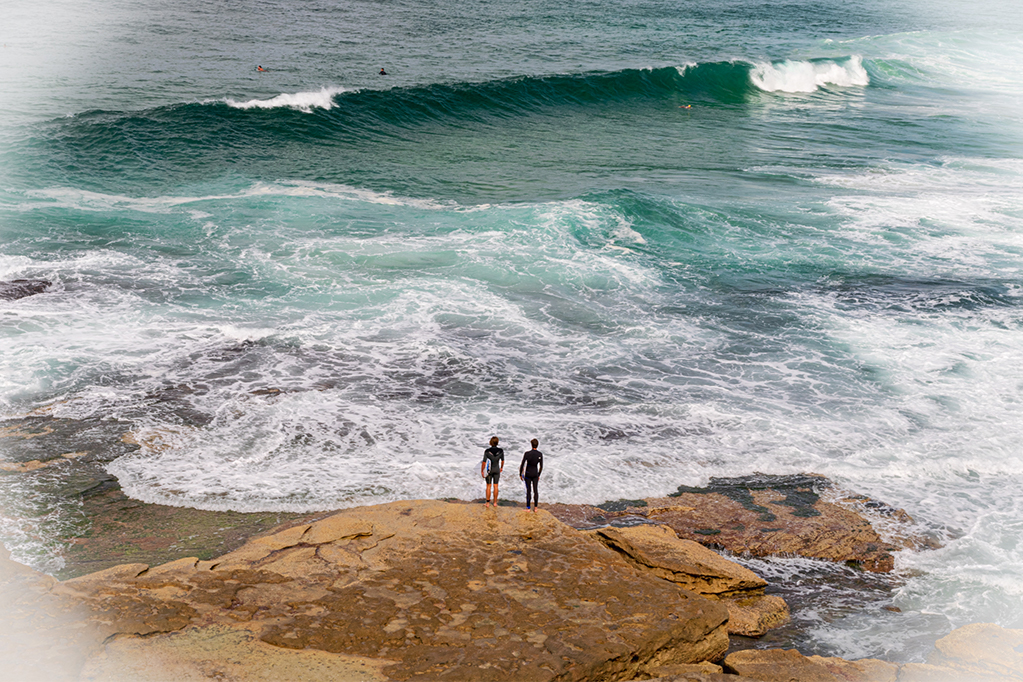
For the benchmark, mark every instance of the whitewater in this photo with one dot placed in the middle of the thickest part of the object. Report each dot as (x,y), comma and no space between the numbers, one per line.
(673,241)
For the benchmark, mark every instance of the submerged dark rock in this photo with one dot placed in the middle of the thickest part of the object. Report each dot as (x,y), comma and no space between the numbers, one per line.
(20,288)
(45,439)
(621,505)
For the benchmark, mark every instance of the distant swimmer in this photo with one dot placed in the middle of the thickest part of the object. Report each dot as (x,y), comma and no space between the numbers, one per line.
(260,68)
(382,72)
(686,106)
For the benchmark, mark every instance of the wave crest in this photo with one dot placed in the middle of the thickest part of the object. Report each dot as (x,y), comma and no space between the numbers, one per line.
(303,101)
(808,76)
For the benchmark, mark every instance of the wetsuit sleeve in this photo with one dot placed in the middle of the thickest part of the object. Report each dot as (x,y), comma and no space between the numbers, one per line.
(539,464)
(522,467)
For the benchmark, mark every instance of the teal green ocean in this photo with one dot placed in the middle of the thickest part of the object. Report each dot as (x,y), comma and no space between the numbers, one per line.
(671,239)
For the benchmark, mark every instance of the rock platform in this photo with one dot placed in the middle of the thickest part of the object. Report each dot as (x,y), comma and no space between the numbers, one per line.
(403,591)
(431,590)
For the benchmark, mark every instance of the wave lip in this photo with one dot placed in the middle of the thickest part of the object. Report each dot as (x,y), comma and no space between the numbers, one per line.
(303,101)
(808,76)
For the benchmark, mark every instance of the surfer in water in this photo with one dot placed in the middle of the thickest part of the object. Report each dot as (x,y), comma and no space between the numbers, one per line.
(530,470)
(260,68)
(491,467)
(382,72)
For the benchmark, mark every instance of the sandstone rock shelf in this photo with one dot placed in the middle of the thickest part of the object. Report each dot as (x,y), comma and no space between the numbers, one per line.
(430,590)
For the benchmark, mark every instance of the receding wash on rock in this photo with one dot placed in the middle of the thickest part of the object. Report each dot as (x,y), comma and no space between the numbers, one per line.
(749,271)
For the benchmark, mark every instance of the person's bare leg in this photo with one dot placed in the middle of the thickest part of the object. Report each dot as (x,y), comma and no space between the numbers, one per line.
(487,503)
(495,494)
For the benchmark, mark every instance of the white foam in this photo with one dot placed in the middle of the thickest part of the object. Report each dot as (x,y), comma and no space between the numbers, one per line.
(960,217)
(303,101)
(399,350)
(86,200)
(808,76)
(13,267)
(626,232)
(984,62)
(685,67)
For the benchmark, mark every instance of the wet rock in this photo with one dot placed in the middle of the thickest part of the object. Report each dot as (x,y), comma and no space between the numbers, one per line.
(39,439)
(771,515)
(659,550)
(20,288)
(429,590)
(621,505)
(122,529)
(763,515)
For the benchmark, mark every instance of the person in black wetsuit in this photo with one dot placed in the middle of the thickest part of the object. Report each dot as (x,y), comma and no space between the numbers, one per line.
(495,456)
(530,470)
(382,72)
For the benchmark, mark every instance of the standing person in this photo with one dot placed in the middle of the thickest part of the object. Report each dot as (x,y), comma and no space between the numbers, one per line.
(492,474)
(530,470)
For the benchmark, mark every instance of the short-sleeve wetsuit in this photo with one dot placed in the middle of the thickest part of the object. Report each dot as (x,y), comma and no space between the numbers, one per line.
(496,457)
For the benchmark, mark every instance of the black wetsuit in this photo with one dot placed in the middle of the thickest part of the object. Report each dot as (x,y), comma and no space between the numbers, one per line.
(530,470)
(496,457)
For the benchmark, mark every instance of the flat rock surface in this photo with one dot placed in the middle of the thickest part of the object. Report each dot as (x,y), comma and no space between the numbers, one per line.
(435,590)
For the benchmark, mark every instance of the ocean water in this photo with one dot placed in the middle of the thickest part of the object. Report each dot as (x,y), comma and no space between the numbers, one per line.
(672,239)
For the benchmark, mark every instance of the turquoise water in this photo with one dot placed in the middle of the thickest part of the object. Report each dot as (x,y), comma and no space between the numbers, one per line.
(672,240)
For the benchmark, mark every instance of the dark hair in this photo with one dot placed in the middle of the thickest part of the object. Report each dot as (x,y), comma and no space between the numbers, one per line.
(534,443)
(494,440)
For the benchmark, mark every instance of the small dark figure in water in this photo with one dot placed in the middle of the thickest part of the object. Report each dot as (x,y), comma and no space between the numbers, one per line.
(260,68)
(530,470)
(382,72)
